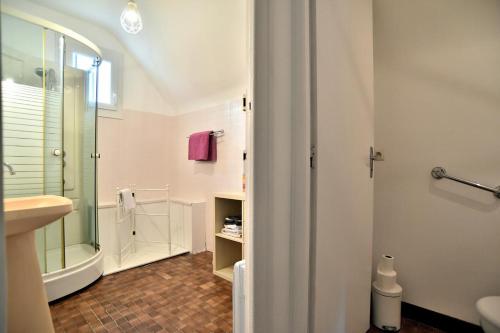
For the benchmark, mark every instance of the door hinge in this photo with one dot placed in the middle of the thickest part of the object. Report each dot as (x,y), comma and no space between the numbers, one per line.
(312,157)
(244,103)
(374,156)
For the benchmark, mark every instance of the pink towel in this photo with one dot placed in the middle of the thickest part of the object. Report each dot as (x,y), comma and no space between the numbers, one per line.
(202,147)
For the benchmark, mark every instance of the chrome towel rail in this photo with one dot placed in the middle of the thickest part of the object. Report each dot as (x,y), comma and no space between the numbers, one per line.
(439,172)
(216,134)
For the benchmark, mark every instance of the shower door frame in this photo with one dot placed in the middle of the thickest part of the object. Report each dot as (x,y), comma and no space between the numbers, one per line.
(50,26)
(64,32)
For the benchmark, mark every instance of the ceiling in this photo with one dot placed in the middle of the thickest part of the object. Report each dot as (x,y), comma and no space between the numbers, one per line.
(193,50)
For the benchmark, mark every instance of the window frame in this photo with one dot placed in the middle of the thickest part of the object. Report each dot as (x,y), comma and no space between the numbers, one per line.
(113,110)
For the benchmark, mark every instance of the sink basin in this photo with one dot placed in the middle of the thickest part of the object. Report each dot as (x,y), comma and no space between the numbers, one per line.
(30,213)
(27,297)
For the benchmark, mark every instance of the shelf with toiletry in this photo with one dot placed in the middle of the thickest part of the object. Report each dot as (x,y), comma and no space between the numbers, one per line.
(229,230)
(232,238)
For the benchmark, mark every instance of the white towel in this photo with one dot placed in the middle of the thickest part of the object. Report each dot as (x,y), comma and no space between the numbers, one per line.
(232,227)
(231,232)
(128,200)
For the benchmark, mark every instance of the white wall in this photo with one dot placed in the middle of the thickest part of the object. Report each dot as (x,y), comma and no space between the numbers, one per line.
(199,180)
(195,51)
(150,150)
(134,150)
(437,101)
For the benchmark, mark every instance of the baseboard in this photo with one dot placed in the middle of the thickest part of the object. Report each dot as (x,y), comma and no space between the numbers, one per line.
(438,320)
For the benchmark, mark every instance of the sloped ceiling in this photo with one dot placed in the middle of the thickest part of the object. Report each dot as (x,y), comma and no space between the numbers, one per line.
(193,50)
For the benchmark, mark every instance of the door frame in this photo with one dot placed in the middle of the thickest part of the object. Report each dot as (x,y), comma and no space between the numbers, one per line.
(3,253)
(282,184)
(280,175)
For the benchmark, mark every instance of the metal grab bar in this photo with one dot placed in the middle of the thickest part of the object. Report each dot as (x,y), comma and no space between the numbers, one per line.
(439,172)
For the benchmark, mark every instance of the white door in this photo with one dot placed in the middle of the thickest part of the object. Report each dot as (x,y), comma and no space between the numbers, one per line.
(344,189)
(248,169)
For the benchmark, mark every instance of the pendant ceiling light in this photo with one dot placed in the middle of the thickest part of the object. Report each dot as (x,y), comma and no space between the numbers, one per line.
(131,19)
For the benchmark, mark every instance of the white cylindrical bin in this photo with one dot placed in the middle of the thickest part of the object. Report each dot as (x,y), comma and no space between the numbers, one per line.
(386,296)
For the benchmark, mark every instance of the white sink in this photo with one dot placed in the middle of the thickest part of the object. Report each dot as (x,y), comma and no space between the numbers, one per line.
(30,213)
(27,305)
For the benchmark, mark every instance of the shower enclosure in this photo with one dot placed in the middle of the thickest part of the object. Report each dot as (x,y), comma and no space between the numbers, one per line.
(49,90)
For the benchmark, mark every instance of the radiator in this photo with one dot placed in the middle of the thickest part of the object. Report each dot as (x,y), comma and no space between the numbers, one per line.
(239,297)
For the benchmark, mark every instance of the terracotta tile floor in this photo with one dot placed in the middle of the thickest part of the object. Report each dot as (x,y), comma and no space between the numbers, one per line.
(177,295)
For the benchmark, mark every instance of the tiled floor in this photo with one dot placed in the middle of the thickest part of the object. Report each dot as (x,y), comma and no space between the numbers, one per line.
(410,326)
(177,295)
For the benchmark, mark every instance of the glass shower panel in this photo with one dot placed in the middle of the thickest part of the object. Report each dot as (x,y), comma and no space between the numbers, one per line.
(90,150)
(22,107)
(90,154)
(52,88)
(49,84)
(80,108)
(32,103)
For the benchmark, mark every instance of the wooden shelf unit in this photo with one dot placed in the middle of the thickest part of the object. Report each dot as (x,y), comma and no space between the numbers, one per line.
(228,250)
(234,239)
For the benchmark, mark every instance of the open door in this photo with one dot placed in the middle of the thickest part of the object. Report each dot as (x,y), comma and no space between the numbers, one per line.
(248,171)
(342,248)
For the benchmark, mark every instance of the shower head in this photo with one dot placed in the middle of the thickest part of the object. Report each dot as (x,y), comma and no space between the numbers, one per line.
(48,72)
(50,76)
(39,71)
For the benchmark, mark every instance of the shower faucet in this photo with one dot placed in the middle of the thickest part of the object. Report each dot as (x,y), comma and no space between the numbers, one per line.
(11,169)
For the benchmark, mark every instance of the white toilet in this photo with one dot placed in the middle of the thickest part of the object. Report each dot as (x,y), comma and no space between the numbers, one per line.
(489,312)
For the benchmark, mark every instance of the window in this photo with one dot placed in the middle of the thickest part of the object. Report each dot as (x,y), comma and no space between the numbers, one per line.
(108,93)
(105,94)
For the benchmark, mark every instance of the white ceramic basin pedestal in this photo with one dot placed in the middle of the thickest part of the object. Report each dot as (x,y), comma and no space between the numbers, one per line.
(27,305)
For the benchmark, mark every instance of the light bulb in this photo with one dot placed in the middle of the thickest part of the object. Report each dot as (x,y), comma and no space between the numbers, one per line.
(131,19)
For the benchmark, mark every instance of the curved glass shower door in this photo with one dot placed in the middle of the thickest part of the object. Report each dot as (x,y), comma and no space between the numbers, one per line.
(49,84)
(80,105)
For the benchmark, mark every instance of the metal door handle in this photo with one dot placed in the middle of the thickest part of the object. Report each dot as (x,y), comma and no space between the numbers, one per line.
(374,156)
